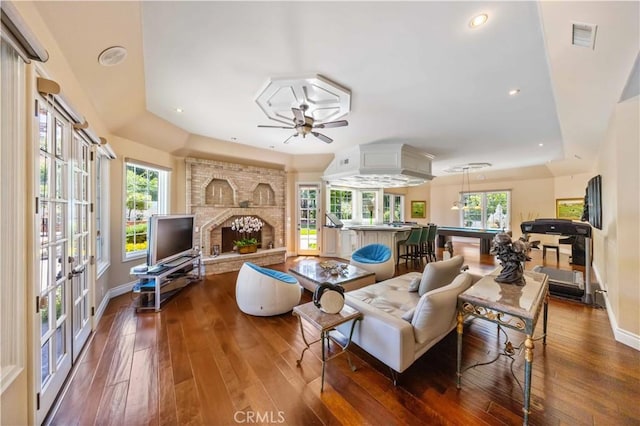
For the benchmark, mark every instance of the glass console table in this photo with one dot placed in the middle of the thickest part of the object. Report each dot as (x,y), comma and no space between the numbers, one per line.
(510,306)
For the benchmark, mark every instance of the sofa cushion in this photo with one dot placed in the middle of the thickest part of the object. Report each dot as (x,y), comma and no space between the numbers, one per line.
(390,296)
(408,316)
(438,274)
(414,284)
(436,310)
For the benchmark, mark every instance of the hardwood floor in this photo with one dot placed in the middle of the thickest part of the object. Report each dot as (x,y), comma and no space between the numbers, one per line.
(202,361)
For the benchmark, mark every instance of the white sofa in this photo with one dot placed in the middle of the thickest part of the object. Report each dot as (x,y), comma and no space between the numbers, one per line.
(399,325)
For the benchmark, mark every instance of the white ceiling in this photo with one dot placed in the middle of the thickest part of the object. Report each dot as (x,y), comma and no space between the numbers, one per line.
(417,72)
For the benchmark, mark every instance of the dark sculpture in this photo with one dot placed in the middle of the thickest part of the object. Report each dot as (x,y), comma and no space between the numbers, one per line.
(512,256)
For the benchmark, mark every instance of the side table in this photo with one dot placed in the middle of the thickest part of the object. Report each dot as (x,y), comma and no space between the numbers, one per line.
(510,306)
(325,323)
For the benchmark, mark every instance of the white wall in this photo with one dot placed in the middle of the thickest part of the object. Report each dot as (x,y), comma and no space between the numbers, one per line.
(617,245)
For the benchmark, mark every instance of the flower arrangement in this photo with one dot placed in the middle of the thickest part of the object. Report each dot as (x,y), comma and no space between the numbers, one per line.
(246,226)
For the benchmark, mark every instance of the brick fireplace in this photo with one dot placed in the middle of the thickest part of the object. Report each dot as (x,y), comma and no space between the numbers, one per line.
(218,192)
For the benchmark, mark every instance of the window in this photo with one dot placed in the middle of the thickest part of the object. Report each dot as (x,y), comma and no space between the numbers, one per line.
(102,212)
(146,193)
(486,210)
(368,206)
(393,208)
(341,203)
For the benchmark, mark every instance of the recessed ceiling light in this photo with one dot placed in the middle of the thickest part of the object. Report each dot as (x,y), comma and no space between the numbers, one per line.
(540,144)
(478,20)
(111,56)
(514,92)
(179,110)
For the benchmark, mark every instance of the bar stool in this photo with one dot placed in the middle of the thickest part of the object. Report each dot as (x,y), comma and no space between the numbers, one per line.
(411,245)
(550,247)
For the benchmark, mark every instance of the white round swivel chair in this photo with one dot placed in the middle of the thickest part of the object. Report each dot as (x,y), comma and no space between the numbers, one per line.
(264,292)
(375,258)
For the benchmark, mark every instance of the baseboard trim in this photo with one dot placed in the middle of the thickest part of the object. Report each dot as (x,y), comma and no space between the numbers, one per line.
(622,336)
(110,294)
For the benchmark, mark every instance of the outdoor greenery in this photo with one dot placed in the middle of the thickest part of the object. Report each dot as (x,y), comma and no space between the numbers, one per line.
(142,188)
(142,192)
(495,209)
(340,204)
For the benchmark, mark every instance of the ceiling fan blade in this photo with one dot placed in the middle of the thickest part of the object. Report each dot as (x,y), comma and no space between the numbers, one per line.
(340,123)
(288,140)
(322,137)
(298,114)
(276,127)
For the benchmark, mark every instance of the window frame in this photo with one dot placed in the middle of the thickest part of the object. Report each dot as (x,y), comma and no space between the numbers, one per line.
(331,205)
(396,202)
(102,214)
(162,206)
(364,213)
(359,214)
(465,197)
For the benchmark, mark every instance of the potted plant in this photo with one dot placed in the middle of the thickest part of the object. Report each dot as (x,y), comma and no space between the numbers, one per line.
(246,226)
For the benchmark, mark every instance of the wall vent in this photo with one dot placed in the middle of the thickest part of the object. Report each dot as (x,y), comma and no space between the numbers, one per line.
(583,35)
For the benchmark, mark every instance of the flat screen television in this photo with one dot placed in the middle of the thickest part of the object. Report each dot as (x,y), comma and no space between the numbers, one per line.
(593,202)
(169,237)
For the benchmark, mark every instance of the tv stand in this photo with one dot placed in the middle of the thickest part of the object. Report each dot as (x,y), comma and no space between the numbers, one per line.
(158,283)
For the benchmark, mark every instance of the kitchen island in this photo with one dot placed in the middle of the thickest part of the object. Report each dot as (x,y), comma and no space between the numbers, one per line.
(389,235)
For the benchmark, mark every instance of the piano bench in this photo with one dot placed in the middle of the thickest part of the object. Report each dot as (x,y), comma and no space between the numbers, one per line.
(550,247)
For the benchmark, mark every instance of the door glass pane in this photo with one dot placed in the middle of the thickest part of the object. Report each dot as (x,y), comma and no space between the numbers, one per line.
(60,339)
(75,249)
(59,261)
(46,370)
(60,221)
(60,304)
(43,117)
(85,186)
(308,237)
(85,248)
(58,138)
(85,218)
(44,268)
(44,176)
(44,222)
(59,182)
(45,320)
(77,219)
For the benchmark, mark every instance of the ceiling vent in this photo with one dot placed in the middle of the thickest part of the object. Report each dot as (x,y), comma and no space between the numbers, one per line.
(583,35)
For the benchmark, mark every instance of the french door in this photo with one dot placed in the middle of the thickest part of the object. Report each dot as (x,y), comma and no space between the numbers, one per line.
(80,244)
(62,287)
(309,227)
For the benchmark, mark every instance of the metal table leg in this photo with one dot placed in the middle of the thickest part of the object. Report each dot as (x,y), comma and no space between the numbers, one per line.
(528,360)
(459,358)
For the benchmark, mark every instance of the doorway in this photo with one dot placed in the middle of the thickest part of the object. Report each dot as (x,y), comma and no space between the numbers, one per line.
(308,226)
(63,279)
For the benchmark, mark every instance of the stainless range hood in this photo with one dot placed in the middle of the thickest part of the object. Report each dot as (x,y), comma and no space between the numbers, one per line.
(379,165)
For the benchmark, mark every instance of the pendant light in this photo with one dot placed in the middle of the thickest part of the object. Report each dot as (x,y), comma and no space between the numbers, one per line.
(462,202)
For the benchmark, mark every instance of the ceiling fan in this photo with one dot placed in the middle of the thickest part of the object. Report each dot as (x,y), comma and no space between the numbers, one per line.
(304,124)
